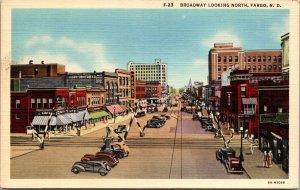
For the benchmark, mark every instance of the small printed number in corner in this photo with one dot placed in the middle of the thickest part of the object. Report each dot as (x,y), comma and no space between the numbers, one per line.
(276,182)
(168,5)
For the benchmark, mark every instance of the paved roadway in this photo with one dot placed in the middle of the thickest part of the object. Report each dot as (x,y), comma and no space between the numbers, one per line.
(161,154)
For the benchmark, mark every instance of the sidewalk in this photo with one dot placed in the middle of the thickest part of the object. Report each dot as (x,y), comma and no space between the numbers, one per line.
(16,151)
(253,165)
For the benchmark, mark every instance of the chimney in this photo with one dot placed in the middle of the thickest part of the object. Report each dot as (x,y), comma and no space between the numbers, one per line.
(30,62)
(42,62)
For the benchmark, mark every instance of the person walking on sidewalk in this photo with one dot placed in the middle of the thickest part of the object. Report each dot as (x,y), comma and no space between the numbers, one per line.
(270,159)
(265,159)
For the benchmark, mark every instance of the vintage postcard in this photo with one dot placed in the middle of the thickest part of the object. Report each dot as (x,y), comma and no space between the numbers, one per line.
(149,94)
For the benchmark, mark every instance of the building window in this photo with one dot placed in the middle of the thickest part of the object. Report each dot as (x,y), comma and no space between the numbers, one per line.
(269,58)
(279,67)
(253,59)
(274,59)
(230,59)
(38,103)
(275,67)
(243,91)
(224,68)
(236,59)
(249,59)
(44,103)
(259,68)
(249,68)
(219,68)
(18,104)
(50,101)
(219,77)
(102,100)
(254,68)
(264,58)
(36,71)
(219,59)
(259,58)
(228,101)
(32,102)
(279,59)
(249,109)
(224,59)
(17,116)
(270,67)
(264,67)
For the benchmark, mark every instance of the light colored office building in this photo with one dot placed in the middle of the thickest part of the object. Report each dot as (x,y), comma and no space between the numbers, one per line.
(151,72)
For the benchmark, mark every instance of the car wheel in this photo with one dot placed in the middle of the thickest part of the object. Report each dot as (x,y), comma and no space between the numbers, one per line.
(217,156)
(121,155)
(75,170)
(102,173)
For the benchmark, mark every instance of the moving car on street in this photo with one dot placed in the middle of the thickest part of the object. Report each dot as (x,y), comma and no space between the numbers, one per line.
(90,166)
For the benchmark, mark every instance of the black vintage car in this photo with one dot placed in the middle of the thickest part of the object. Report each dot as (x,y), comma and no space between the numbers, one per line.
(90,166)
(224,153)
(140,114)
(153,125)
(195,117)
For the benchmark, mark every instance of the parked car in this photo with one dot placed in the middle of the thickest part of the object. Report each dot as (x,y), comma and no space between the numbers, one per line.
(184,109)
(158,120)
(140,114)
(119,153)
(233,165)
(90,166)
(161,118)
(224,153)
(195,117)
(112,162)
(121,129)
(153,124)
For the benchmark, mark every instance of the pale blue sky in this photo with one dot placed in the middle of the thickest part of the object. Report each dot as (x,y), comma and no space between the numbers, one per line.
(104,39)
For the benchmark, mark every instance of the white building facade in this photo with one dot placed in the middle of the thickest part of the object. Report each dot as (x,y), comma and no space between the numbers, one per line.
(150,72)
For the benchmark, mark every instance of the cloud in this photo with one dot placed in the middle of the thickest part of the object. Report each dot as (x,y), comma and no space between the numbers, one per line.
(93,50)
(44,55)
(76,56)
(279,28)
(221,37)
(38,40)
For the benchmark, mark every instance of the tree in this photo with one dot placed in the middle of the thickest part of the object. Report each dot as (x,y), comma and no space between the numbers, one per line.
(173,90)
(181,90)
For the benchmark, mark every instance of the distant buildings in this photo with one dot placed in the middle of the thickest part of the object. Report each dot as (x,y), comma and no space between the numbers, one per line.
(151,72)
(223,56)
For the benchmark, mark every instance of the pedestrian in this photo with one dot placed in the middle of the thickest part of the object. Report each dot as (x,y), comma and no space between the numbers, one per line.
(265,159)
(270,159)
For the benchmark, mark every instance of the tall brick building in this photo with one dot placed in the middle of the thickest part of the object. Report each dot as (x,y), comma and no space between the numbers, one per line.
(223,56)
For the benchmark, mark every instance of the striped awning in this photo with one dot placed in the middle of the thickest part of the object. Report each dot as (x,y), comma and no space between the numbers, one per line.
(63,119)
(40,120)
(84,114)
(249,101)
(53,121)
(100,114)
(114,108)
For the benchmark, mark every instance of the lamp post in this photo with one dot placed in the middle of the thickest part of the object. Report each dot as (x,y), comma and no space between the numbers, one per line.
(241,150)
(114,114)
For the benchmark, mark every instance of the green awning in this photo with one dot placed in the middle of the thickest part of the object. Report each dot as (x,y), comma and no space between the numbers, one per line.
(99,114)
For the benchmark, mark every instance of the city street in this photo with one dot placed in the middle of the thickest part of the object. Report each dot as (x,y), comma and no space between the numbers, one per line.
(161,154)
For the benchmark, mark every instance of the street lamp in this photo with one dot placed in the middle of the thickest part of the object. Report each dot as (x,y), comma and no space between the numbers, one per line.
(241,150)
(114,114)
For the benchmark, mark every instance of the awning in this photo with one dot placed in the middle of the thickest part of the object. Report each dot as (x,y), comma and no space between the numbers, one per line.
(85,114)
(63,119)
(114,108)
(75,117)
(100,114)
(53,121)
(249,101)
(40,120)
(125,107)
